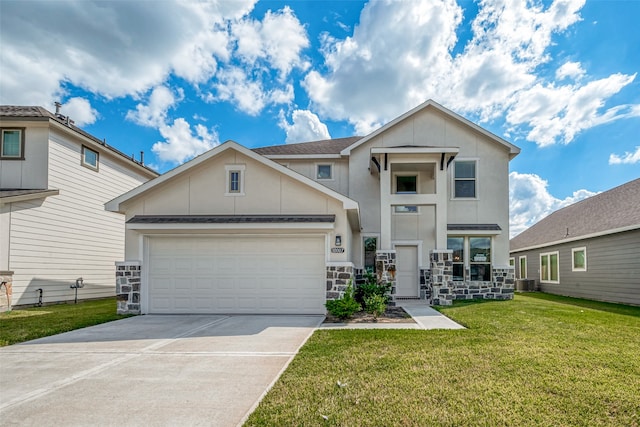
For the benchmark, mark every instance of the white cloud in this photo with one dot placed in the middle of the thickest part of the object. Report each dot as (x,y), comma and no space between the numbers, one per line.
(550,114)
(278,39)
(530,201)
(305,126)
(571,70)
(627,158)
(154,114)
(369,80)
(80,111)
(113,49)
(182,143)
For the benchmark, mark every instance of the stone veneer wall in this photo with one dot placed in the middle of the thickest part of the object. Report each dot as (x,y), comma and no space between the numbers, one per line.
(445,290)
(6,290)
(425,284)
(338,276)
(128,287)
(386,268)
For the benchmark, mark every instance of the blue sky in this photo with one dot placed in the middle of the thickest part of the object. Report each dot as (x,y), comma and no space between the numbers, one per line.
(558,79)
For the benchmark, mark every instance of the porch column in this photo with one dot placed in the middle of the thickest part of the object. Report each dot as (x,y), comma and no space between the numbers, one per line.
(441,209)
(385,205)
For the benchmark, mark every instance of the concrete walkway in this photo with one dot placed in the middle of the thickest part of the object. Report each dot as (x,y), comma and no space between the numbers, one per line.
(424,316)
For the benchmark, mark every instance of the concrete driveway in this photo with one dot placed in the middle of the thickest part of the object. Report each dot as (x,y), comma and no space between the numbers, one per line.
(149,370)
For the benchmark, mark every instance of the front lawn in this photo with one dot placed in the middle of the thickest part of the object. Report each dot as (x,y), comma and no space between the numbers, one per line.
(537,360)
(23,325)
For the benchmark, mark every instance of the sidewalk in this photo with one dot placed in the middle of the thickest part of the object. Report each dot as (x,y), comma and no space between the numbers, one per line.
(424,316)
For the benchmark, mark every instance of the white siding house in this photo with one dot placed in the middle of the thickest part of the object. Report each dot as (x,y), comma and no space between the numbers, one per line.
(53,226)
(422,202)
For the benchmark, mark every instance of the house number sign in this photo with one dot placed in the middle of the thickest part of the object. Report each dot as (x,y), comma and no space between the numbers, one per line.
(337,250)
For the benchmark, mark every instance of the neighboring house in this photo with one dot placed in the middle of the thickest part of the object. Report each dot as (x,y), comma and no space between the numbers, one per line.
(587,250)
(54,181)
(422,201)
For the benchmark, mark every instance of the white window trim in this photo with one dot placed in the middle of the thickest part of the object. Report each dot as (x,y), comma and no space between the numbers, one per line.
(555,282)
(234,168)
(394,184)
(452,182)
(573,251)
(89,165)
(395,212)
(22,144)
(526,267)
(465,250)
(368,236)
(514,262)
(331,165)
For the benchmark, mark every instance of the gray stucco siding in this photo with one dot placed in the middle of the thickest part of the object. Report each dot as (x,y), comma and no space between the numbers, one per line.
(613,268)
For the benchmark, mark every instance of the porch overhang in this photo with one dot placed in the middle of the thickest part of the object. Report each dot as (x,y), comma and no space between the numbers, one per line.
(473,229)
(379,158)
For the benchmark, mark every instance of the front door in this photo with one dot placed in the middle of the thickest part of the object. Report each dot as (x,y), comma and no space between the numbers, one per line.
(407,283)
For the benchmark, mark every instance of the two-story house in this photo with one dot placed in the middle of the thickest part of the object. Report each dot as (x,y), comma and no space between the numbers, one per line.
(54,181)
(422,202)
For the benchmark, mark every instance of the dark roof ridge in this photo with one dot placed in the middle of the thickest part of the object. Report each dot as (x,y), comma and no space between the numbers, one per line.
(609,210)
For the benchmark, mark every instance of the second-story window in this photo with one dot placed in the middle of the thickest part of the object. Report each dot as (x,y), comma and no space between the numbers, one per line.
(235,180)
(465,179)
(89,158)
(12,144)
(406,184)
(324,172)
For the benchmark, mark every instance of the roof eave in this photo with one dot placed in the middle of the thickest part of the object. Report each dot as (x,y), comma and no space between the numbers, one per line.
(577,238)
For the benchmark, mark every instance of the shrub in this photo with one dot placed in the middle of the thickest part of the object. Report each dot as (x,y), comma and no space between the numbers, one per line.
(345,307)
(376,305)
(371,287)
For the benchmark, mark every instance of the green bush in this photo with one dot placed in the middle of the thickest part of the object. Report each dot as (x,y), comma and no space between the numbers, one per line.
(345,307)
(370,288)
(376,305)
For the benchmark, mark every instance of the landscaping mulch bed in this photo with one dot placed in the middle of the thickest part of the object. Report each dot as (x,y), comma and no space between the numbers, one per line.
(391,315)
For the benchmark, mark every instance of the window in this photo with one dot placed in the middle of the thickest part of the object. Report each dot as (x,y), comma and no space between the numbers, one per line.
(549,267)
(456,244)
(405,209)
(12,147)
(406,184)
(324,172)
(480,258)
(512,262)
(579,256)
(465,179)
(523,267)
(370,245)
(89,158)
(235,180)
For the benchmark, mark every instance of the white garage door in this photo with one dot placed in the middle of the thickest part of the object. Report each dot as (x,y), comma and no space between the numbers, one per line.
(262,275)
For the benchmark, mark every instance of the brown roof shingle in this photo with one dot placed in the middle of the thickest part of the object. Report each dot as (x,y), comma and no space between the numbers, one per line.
(326,146)
(610,210)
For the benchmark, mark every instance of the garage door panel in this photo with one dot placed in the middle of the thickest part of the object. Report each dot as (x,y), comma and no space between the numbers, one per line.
(222,274)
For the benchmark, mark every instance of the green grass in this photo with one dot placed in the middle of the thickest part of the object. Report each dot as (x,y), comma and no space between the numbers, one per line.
(23,325)
(537,360)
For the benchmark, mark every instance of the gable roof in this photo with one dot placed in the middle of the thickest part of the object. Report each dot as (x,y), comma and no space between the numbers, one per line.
(612,211)
(325,146)
(513,150)
(35,113)
(347,203)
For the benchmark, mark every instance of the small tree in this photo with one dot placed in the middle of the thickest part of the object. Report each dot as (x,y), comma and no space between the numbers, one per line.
(344,307)
(376,305)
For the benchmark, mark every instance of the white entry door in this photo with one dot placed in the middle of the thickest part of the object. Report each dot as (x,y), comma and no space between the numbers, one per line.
(407,283)
(236,275)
